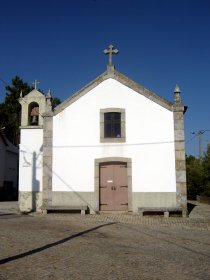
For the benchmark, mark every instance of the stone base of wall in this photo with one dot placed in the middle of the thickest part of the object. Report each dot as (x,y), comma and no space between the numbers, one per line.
(157,199)
(33,201)
(74,199)
(138,200)
(30,201)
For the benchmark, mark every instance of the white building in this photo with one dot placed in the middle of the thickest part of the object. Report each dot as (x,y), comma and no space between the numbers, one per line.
(8,169)
(114,145)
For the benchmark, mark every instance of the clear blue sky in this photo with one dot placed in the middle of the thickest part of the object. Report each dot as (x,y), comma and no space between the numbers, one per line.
(161,43)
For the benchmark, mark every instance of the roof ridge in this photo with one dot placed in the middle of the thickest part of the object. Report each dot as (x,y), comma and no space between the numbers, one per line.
(118,76)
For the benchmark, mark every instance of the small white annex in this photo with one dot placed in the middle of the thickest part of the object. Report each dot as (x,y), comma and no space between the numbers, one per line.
(112,146)
(8,169)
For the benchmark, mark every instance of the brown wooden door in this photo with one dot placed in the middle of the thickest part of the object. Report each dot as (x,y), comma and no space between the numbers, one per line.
(113,187)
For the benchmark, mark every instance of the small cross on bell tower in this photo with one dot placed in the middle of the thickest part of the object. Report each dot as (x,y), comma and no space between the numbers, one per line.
(35,84)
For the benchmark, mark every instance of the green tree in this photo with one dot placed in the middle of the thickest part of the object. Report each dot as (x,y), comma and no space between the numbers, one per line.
(195,176)
(55,102)
(10,110)
(206,168)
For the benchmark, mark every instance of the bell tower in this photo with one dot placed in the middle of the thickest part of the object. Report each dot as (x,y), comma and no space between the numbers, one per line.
(35,106)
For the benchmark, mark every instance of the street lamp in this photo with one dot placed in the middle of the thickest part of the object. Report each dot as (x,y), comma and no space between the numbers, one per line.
(200,133)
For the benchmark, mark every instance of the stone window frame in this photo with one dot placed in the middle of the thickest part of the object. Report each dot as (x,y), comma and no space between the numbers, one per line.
(112,139)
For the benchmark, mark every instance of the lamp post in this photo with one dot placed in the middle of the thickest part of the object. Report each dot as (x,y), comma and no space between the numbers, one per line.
(200,133)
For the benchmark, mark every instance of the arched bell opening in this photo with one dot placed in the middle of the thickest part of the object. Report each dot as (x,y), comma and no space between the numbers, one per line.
(33,113)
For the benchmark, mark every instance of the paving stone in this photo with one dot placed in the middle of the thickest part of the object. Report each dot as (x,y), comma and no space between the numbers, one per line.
(122,246)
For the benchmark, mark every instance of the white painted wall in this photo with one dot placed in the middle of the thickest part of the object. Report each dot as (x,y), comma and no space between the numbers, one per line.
(149,140)
(30,162)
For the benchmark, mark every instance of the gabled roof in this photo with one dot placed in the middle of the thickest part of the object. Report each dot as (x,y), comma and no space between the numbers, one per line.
(34,93)
(112,73)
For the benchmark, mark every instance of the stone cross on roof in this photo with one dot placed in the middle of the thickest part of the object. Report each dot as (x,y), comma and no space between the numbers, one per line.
(35,83)
(111,51)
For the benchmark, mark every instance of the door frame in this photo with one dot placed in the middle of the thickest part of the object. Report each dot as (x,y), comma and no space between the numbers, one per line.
(98,161)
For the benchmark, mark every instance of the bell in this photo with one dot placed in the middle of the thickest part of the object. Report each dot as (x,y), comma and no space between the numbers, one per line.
(34,120)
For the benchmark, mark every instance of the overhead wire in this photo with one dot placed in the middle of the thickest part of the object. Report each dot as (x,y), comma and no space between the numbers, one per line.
(191,138)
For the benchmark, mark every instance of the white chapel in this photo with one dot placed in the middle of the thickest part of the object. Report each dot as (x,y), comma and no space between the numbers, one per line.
(112,146)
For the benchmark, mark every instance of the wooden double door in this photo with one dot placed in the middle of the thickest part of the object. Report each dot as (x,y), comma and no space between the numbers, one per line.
(113,186)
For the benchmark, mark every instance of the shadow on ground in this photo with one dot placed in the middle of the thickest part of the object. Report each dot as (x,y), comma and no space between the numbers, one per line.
(47,246)
(190,207)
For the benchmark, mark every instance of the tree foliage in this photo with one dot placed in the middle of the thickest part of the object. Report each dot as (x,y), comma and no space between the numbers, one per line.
(198,174)
(206,168)
(10,109)
(55,102)
(194,172)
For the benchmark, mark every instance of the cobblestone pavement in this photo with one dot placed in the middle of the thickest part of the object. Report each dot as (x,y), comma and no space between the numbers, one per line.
(122,246)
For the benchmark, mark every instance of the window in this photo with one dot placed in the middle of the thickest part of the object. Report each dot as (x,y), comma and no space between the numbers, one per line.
(112,125)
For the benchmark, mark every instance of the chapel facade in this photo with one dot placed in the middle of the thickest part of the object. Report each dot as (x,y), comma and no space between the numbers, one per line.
(112,146)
